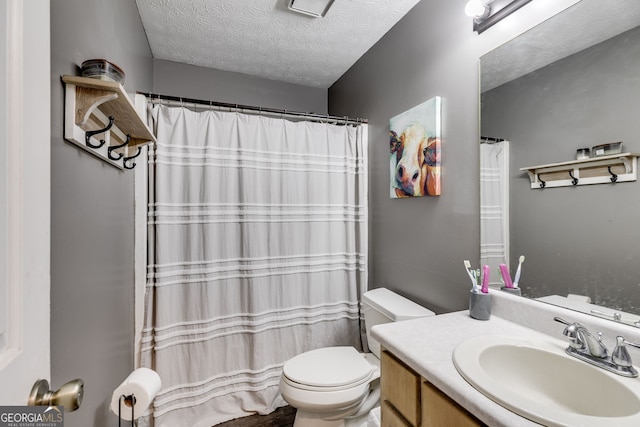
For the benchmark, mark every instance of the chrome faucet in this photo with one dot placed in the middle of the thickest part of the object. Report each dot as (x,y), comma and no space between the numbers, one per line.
(585,346)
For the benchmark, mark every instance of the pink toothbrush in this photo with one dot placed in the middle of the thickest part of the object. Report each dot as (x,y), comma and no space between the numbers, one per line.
(504,270)
(485,279)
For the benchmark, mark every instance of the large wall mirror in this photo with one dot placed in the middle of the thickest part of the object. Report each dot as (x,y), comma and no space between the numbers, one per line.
(571,82)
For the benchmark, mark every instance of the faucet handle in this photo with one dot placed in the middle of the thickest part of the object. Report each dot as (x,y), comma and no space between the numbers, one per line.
(620,355)
(571,331)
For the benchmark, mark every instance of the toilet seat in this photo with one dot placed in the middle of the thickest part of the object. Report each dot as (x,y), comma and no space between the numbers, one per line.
(328,369)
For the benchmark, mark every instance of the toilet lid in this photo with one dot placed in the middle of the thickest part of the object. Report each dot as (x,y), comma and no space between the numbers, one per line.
(328,367)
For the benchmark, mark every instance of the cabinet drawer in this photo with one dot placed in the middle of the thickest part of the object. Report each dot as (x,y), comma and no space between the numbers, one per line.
(400,387)
(391,417)
(438,410)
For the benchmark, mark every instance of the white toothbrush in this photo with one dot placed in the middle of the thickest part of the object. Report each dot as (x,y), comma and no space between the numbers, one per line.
(517,278)
(474,283)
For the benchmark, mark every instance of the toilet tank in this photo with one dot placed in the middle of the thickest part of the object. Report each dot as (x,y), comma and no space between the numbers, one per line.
(383,306)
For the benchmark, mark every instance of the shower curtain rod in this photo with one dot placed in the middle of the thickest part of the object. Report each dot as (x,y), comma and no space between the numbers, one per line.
(214,105)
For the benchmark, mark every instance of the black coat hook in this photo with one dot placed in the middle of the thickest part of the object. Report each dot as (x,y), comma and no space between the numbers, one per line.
(614,177)
(574,180)
(88,134)
(126,159)
(115,147)
(542,183)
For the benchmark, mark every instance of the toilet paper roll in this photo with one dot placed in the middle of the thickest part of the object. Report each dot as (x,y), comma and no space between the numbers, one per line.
(144,384)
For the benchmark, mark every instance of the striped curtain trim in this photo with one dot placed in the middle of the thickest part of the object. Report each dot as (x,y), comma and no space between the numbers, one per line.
(490,175)
(288,312)
(249,214)
(489,250)
(346,255)
(246,269)
(271,162)
(253,205)
(353,170)
(169,148)
(240,325)
(255,220)
(491,213)
(195,394)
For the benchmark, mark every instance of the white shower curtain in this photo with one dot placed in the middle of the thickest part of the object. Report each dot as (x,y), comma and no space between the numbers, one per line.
(494,206)
(258,239)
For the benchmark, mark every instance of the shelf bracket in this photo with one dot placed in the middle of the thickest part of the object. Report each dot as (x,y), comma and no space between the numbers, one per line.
(88,134)
(88,100)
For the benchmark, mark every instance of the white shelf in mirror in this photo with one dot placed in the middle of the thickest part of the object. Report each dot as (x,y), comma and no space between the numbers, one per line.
(608,169)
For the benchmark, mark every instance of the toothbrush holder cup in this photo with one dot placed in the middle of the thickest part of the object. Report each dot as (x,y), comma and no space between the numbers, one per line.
(480,305)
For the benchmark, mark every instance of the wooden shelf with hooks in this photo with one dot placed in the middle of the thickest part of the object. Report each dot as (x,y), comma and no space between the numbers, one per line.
(608,169)
(89,106)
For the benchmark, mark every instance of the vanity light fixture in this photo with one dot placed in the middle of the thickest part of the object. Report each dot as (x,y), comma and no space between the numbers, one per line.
(477,9)
(315,8)
(487,13)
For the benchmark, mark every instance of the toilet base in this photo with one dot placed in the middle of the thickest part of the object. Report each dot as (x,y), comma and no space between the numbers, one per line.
(308,419)
(370,419)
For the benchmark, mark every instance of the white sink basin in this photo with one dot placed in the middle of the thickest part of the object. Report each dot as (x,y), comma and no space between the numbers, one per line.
(539,381)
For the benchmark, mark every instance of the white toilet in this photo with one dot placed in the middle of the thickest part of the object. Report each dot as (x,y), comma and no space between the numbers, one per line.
(328,386)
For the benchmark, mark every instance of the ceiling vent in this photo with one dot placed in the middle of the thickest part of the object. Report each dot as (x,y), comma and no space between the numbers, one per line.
(315,8)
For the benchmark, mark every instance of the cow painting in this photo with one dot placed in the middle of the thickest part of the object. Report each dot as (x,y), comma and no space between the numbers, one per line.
(414,145)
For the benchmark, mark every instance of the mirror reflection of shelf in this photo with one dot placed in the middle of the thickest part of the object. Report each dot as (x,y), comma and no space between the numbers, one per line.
(101,119)
(608,169)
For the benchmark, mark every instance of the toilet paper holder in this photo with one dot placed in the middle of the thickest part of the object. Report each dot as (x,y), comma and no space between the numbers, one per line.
(130,401)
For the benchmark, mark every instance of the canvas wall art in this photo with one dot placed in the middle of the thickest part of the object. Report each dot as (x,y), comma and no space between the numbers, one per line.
(414,162)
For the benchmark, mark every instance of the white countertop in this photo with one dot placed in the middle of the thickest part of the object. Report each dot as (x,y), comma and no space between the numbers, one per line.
(426,345)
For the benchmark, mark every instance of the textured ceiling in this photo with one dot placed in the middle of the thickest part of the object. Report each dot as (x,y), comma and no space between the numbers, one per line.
(584,24)
(264,38)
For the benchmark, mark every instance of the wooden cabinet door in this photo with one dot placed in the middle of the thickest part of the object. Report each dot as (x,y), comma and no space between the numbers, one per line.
(438,410)
(391,417)
(400,387)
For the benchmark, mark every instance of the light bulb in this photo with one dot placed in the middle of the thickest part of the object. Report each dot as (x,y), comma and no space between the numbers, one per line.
(476,8)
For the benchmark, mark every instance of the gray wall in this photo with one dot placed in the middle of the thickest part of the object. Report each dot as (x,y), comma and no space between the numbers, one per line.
(189,81)
(418,244)
(92,215)
(576,240)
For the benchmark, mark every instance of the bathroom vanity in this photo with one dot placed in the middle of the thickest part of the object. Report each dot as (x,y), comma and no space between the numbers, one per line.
(421,385)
